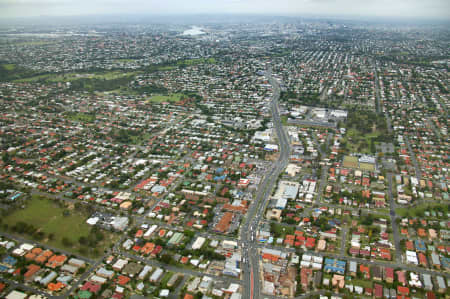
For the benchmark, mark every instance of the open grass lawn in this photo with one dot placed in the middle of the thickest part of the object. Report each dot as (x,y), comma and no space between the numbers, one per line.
(196,61)
(124,60)
(381,212)
(280,231)
(34,43)
(175,97)
(362,283)
(119,91)
(418,211)
(357,142)
(76,76)
(47,216)
(141,139)
(9,66)
(166,68)
(32,79)
(101,75)
(80,116)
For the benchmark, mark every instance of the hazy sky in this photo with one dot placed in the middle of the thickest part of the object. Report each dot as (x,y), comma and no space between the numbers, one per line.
(407,8)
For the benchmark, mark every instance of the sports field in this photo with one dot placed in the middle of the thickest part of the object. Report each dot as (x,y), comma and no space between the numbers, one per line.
(61,227)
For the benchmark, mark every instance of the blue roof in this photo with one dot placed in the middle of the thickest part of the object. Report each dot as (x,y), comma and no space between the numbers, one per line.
(220,178)
(420,245)
(341,264)
(3,268)
(335,263)
(219,170)
(334,222)
(9,260)
(445,262)
(332,268)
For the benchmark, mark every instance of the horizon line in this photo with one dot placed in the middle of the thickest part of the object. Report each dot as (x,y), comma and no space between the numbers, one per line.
(350,17)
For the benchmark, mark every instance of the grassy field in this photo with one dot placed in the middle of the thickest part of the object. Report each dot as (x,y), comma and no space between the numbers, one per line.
(124,60)
(79,116)
(418,211)
(280,230)
(176,97)
(34,43)
(196,61)
(362,283)
(166,68)
(76,76)
(357,142)
(32,79)
(47,216)
(9,66)
(141,139)
(118,91)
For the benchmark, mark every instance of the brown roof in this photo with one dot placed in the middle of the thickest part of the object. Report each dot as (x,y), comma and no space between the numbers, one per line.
(41,259)
(56,261)
(224,222)
(47,253)
(36,250)
(234,208)
(32,269)
(30,256)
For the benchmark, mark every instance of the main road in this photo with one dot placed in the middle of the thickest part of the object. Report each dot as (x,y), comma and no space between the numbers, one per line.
(250,268)
(395,231)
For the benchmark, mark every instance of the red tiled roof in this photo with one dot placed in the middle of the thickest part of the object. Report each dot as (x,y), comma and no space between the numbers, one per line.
(403,290)
(91,287)
(32,269)
(122,280)
(55,287)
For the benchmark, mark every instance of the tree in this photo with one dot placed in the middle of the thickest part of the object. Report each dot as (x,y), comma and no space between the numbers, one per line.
(368,220)
(166,258)
(6,158)
(290,220)
(189,233)
(99,236)
(83,240)
(39,235)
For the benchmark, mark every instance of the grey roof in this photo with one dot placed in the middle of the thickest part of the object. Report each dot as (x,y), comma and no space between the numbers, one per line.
(427,281)
(353,266)
(104,272)
(77,262)
(318,278)
(441,282)
(69,268)
(47,279)
(435,259)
